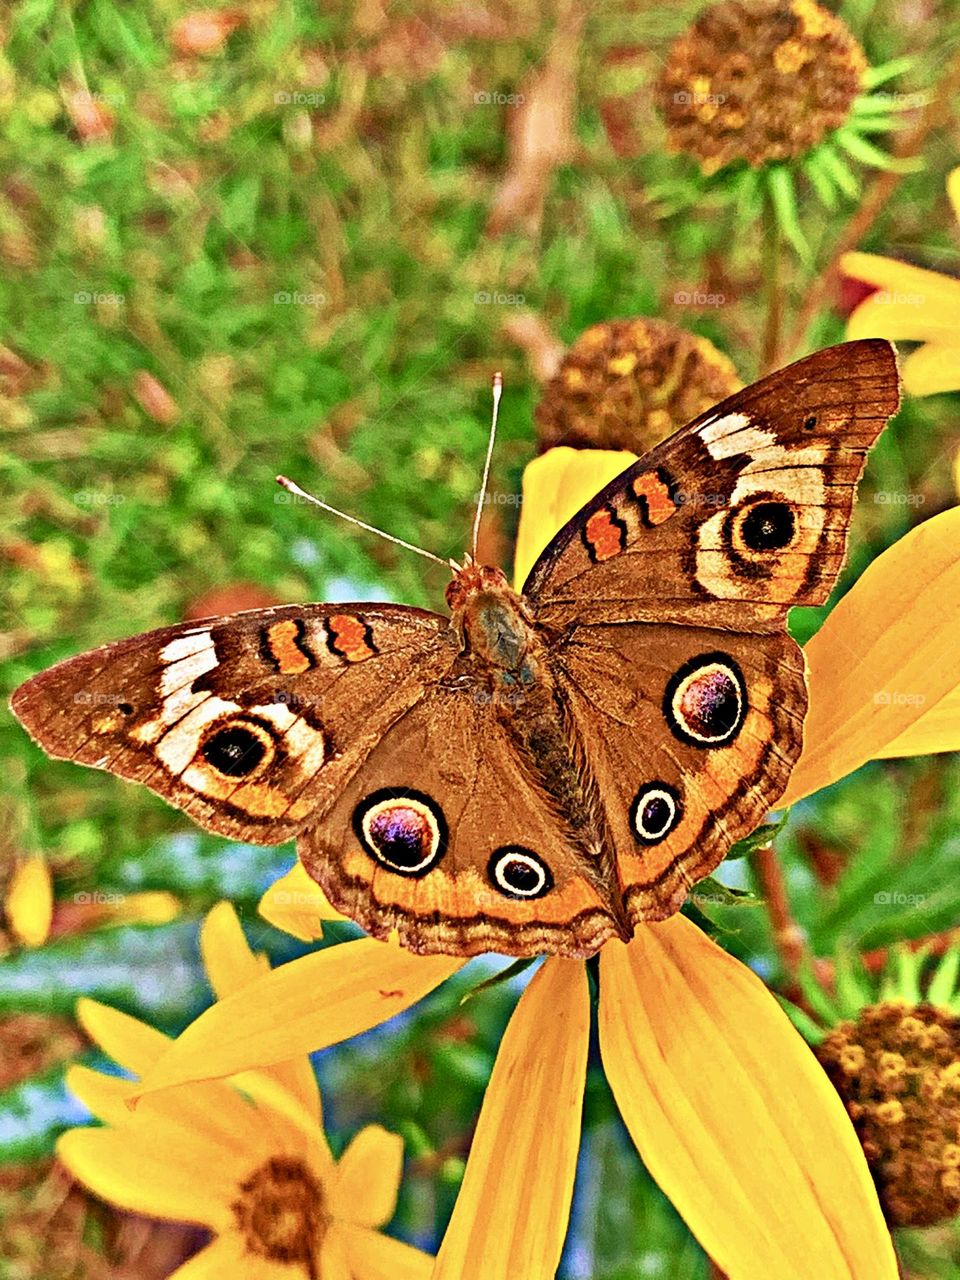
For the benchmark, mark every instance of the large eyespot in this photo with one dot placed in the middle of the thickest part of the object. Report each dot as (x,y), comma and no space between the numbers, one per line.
(655,812)
(238,749)
(519,873)
(766,526)
(405,831)
(705,701)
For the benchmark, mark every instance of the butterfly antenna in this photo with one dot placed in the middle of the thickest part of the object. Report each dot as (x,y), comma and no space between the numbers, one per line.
(497,392)
(361,524)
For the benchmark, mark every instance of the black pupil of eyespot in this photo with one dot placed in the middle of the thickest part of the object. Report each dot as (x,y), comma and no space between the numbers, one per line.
(656,815)
(234,752)
(400,836)
(521,876)
(769,526)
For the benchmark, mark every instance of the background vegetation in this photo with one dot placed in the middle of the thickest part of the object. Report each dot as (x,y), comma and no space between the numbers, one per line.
(299,237)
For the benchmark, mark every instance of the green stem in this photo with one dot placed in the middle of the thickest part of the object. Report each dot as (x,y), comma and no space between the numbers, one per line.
(772,258)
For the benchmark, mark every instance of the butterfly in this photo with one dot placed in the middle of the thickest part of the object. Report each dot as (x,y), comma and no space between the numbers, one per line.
(536,771)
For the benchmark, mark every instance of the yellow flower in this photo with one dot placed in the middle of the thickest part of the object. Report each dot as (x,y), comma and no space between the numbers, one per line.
(725,1103)
(913,305)
(246,1158)
(29,901)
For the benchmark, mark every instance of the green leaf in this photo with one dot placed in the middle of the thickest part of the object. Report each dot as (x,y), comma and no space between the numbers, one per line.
(758,839)
(498,979)
(784,197)
(887,71)
(711,890)
(811,1031)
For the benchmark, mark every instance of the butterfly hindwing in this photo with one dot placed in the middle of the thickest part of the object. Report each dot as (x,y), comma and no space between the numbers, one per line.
(445,837)
(691,735)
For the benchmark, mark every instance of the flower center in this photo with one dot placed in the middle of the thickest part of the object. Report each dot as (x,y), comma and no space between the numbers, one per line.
(759,82)
(897,1069)
(280,1213)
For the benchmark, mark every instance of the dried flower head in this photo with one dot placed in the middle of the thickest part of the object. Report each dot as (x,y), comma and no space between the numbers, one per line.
(897,1069)
(628,384)
(759,82)
(892,1052)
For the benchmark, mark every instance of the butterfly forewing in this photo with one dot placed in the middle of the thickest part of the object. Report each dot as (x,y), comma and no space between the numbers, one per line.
(739,516)
(250,722)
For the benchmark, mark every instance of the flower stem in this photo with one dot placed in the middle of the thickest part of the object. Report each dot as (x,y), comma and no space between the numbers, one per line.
(772,257)
(788,937)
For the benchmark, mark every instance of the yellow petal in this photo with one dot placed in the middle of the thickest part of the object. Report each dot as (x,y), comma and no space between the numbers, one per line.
(953,191)
(227,1257)
(886,653)
(29,901)
(900,279)
(368,1178)
(514,1204)
(104,1096)
(130,1042)
(231,965)
(555,486)
(334,1255)
(150,1179)
(937,729)
(934,367)
(227,957)
(297,905)
(732,1114)
(307,1004)
(378,1257)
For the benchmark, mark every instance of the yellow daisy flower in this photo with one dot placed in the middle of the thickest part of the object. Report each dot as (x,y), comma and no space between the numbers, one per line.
(912,305)
(246,1158)
(722,1098)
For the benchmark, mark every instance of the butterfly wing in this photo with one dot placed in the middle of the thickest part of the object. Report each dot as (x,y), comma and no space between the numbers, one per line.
(667,597)
(738,516)
(446,838)
(245,722)
(691,735)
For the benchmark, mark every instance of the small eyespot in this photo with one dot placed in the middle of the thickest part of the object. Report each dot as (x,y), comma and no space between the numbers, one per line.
(519,872)
(810,423)
(236,750)
(705,701)
(404,831)
(125,708)
(655,812)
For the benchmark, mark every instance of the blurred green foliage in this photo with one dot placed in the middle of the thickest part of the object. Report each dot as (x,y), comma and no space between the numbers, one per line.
(275,260)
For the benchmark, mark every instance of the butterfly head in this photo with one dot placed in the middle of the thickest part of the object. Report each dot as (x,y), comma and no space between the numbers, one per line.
(493,622)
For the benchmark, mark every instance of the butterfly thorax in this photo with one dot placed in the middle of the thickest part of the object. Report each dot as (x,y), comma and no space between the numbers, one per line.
(493,623)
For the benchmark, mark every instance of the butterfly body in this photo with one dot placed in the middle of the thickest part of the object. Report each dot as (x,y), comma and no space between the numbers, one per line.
(541,770)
